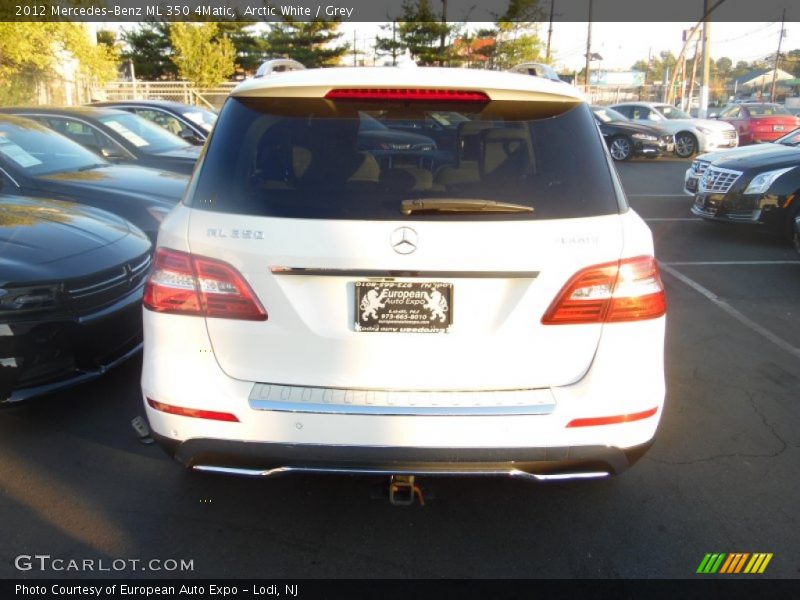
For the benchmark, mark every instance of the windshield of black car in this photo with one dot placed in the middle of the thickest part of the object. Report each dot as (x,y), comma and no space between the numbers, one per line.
(202,117)
(36,150)
(143,134)
(311,158)
(608,115)
(790,139)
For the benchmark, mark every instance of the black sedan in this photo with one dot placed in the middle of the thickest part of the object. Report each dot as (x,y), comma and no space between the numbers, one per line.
(118,136)
(191,123)
(35,161)
(760,188)
(71,282)
(392,147)
(627,139)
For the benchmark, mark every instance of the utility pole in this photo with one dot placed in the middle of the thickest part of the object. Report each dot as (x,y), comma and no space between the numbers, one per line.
(704,86)
(550,29)
(394,43)
(355,50)
(588,46)
(443,35)
(777,58)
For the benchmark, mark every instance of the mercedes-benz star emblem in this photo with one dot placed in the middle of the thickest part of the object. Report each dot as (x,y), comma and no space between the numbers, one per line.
(404,240)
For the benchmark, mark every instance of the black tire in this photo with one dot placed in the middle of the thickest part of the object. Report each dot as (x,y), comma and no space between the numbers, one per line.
(790,232)
(796,239)
(621,148)
(685,144)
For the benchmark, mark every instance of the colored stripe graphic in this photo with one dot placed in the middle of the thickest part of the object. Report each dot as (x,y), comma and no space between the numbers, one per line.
(711,563)
(734,563)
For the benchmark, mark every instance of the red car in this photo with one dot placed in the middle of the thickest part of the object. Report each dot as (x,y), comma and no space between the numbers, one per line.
(759,121)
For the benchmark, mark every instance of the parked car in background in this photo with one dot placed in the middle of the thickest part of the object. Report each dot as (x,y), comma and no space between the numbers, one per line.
(626,139)
(537,70)
(701,163)
(691,135)
(71,281)
(277,66)
(760,188)
(395,147)
(312,309)
(36,161)
(757,122)
(190,123)
(117,135)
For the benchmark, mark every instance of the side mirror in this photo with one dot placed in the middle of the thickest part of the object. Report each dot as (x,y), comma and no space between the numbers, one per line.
(189,136)
(112,154)
(713,115)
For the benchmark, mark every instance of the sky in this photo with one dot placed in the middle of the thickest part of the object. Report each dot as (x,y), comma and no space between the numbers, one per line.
(622,44)
(737,41)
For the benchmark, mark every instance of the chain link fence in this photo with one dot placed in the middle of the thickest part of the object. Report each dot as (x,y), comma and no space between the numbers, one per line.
(177,91)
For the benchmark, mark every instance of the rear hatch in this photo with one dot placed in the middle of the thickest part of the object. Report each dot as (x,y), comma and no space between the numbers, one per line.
(772,119)
(400,271)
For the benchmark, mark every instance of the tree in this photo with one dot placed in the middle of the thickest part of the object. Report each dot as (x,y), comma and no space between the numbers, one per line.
(422,32)
(200,55)
(724,66)
(30,52)
(516,42)
(149,48)
(391,45)
(250,48)
(311,43)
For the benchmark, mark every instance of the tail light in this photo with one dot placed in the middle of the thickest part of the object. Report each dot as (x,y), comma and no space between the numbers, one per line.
(595,421)
(410,94)
(625,290)
(187,284)
(192,412)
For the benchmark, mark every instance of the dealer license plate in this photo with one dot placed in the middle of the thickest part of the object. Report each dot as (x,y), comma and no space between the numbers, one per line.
(408,307)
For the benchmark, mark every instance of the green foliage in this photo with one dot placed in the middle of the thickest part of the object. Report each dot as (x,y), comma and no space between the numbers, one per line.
(250,48)
(390,44)
(724,66)
(150,48)
(200,55)
(423,33)
(31,52)
(515,42)
(311,43)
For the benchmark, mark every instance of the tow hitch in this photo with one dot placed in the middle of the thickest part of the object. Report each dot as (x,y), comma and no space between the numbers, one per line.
(403,490)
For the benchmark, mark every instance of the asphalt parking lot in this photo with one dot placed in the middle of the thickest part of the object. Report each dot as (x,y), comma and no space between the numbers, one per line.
(722,477)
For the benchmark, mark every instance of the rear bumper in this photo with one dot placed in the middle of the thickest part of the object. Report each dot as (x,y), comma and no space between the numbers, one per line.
(265,438)
(269,459)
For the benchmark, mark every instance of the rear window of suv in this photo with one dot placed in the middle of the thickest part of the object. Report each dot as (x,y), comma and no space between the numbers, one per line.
(322,159)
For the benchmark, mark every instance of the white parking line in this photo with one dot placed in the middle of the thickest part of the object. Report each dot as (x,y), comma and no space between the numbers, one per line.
(746,321)
(658,195)
(730,262)
(672,219)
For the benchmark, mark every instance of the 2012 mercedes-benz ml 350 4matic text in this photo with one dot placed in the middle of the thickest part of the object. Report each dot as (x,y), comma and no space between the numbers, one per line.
(490,306)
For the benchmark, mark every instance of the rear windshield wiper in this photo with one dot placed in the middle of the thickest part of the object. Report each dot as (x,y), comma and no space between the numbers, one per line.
(408,207)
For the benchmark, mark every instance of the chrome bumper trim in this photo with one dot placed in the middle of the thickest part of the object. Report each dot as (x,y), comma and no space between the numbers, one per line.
(298,399)
(515,473)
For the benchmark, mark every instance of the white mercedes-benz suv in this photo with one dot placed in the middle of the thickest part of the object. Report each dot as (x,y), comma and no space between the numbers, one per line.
(334,295)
